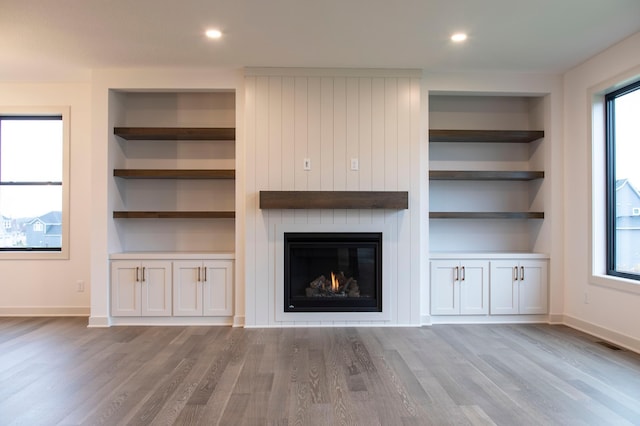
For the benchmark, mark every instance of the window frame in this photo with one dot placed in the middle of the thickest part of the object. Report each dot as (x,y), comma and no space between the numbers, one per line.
(610,173)
(36,253)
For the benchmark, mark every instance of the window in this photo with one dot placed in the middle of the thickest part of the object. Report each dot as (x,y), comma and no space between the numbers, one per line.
(622,109)
(33,177)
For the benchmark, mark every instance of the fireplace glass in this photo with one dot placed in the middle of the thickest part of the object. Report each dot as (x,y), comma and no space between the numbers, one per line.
(333,272)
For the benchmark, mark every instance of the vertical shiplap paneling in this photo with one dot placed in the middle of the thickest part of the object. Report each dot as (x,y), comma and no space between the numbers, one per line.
(301,143)
(391,183)
(404,181)
(262,288)
(418,223)
(377,134)
(364,145)
(275,160)
(313,133)
(339,141)
(353,131)
(326,142)
(391,135)
(289,163)
(274,148)
(314,140)
(332,119)
(251,201)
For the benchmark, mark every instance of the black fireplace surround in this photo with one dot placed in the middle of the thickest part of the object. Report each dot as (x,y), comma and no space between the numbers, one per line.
(353,258)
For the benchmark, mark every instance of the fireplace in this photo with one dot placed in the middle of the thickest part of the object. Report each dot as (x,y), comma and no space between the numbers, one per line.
(333,272)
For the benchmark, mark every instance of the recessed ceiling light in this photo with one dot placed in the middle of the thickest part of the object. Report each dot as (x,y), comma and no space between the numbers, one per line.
(213,33)
(459,37)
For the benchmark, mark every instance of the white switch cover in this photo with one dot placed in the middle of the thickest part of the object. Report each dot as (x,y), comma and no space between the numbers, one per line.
(306,164)
(354,164)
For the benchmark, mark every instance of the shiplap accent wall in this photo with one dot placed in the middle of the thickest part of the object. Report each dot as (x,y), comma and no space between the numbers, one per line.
(330,117)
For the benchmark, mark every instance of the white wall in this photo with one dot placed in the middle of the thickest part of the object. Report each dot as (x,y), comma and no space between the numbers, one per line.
(612,313)
(48,287)
(331,116)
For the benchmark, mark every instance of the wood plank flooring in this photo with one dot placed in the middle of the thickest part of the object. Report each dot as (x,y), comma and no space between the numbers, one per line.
(56,371)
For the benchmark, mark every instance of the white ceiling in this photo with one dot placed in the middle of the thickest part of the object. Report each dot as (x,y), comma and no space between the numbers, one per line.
(47,38)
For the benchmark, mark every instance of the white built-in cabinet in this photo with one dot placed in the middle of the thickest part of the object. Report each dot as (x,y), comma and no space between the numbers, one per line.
(459,287)
(141,288)
(519,287)
(488,193)
(158,286)
(172,203)
(489,286)
(202,288)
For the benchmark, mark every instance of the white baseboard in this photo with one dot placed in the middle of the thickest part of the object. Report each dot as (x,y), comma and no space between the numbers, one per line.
(238,321)
(98,322)
(425,319)
(339,325)
(44,311)
(622,340)
(556,319)
(171,321)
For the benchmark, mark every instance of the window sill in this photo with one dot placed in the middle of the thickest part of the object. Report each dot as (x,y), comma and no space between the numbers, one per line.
(617,283)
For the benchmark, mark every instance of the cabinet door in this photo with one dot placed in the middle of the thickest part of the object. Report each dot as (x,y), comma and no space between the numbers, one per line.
(217,288)
(445,291)
(125,288)
(474,287)
(187,288)
(156,289)
(533,287)
(504,287)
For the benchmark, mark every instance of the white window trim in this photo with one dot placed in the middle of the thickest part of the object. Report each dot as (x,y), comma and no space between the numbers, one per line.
(597,191)
(65,112)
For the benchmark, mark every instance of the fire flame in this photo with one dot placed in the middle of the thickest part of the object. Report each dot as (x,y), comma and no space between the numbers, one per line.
(334,283)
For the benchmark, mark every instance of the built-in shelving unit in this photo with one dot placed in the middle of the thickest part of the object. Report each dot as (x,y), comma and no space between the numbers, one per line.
(174,134)
(486,172)
(173,166)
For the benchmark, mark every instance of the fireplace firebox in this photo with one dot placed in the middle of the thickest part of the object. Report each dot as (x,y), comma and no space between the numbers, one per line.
(333,272)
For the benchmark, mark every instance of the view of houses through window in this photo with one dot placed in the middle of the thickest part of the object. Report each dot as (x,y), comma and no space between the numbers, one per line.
(31,171)
(623,175)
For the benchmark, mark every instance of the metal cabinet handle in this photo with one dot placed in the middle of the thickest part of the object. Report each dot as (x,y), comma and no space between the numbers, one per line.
(137,274)
(143,270)
(522,273)
(199,274)
(464,274)
(515,273)
(204,273)
(456,276)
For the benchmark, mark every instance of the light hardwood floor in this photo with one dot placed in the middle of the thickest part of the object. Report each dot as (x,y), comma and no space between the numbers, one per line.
(57,371)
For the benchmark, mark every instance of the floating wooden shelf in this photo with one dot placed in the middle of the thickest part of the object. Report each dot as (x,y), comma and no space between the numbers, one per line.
(174,174)
(486,215)
(398,200)
(484,175)
(173,215)
(500,136)
(176,133)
